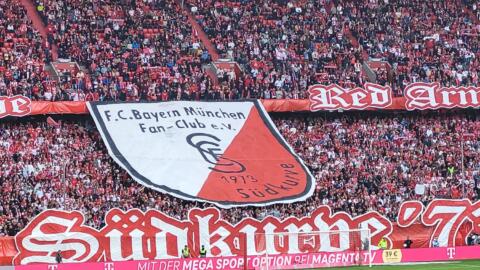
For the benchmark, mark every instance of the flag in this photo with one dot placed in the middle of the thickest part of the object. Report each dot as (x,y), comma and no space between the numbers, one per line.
(52,122)
(227,153)
(194,31)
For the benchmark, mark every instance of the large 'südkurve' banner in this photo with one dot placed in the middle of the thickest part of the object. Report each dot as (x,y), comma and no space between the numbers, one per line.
(226,153)
(417,96)
(152,235)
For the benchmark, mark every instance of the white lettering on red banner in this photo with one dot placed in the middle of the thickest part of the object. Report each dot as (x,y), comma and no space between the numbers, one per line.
(137,235)
(418,96)
(14,106)
(152,235)
(334,97)
(421,96)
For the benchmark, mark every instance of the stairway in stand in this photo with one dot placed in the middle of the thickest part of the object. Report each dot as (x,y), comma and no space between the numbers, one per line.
(201,34)
(38,24)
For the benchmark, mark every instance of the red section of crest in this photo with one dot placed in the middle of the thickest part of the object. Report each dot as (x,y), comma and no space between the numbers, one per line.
(271,172)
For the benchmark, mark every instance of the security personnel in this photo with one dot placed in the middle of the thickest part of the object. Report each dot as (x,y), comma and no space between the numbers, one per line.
(203,252)
(383,243)
(185,252)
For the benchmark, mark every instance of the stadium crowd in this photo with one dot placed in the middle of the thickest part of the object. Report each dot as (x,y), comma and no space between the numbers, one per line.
(148,50)
(428,41)
(361,161)
(131,49)
(283,46)
(23,53)
(288,45)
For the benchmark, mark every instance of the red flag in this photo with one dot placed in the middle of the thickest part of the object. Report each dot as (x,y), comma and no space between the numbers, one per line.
(194,31)
(52,122)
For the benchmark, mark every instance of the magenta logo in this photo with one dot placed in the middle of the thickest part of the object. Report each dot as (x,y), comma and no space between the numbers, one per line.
(451,252)
(109,266)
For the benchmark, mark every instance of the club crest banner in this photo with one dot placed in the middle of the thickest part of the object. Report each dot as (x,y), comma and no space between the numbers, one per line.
(226,153)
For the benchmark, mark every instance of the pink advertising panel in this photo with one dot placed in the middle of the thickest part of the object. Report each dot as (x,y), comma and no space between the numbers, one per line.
(284,261)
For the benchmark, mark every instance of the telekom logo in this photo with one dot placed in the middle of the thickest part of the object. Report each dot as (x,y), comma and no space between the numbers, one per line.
(451,252)
(107,266)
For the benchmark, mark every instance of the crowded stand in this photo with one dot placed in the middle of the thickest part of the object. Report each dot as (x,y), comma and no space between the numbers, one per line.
(132,50)
(284,47)
(434,41)
(23,53)
(473,7)
(149,50)
(362,161)
(288,45)
(377,162)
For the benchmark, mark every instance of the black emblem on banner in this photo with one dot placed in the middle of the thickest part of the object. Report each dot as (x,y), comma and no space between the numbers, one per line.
(211,152)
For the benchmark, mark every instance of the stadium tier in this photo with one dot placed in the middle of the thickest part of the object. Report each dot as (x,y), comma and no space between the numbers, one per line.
(362,162)
(152,49)
(231,134)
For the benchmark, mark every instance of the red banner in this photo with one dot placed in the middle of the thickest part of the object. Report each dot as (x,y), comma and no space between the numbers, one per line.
(421,96)
(63,107)
(418,96)
(152,235)
(15,106)
(334,97)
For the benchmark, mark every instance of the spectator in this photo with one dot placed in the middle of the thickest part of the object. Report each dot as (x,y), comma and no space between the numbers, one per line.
(435,242)
(407,243)
(366,244)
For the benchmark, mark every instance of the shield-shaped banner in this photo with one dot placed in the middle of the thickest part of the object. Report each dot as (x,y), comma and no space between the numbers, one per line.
(226,153)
